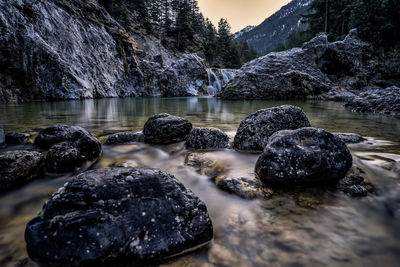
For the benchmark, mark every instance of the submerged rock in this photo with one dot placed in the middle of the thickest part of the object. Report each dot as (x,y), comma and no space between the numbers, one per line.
(87,144)
(384,101)
(207,138)
(166,129)
(17,138)
(243,187)
(2,137)
(18,167)
(254,131)
(350,138)
(64,157)
(124,215)
(206,165)
(354,184)
(305,155)
(123,138)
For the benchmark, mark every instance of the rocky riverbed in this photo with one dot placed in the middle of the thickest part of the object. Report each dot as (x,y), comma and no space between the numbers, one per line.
(245,233)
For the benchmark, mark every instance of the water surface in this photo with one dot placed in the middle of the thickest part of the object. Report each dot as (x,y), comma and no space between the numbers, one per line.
(308,228)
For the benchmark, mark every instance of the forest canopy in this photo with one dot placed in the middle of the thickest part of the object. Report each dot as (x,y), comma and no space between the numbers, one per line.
(377,21)
(181,27)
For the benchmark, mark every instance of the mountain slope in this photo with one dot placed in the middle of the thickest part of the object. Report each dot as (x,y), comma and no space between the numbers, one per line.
(277,28)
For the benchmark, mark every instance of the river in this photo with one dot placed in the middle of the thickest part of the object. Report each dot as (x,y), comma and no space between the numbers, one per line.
(312,227)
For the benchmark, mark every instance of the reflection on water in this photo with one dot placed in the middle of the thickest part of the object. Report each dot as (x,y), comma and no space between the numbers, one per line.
(307,228)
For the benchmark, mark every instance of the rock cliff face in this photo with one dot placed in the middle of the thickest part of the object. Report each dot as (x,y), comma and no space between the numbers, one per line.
(299,72)
(53,49)
(56,50)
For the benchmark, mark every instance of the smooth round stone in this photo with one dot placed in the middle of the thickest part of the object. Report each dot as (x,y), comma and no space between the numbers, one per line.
(301,156)
(17,138)
(123,138)
(64,157)
(166,129)
(117,216)
(254,131)
(18,167)
(88,145)
(207,138)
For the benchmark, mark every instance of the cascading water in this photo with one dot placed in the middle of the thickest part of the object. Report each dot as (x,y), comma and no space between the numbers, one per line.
(214,83)
(227,75)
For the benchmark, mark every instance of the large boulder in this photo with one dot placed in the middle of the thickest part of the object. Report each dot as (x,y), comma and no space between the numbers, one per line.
(123,138)
(125,215)
(64,157)
(18,167)
(299,72)
(87,144)
(166,129)
(254,131)
(207,138)
(302,156)
(384,101)
(2,137)
(17,138)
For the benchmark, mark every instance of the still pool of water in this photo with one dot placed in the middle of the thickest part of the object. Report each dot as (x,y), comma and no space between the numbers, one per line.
(307,228)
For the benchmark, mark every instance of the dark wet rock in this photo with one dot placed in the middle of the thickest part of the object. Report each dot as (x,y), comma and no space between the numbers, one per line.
(18,167)
(356,190)
(123,138)
(384,101)
(308,200)
(207,165)
(2,137)
(88,145)
(305,155)
(64,157)
(207,138)
(124,215)
(17,138)
(166,129)
(350,138)
(254,131)
(354,184)
(243,187)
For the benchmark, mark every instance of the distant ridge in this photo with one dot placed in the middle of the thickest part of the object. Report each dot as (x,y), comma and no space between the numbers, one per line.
(275,29)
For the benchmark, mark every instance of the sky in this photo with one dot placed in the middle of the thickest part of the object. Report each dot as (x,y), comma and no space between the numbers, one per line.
(240,13)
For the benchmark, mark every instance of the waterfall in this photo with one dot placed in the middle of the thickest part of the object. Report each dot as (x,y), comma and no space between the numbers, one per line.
(214,84)
(227,75)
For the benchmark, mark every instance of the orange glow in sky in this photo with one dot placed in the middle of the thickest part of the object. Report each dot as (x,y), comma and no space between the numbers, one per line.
(240,13)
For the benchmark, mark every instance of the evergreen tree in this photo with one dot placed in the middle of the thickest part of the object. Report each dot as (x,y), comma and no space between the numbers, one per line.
(378,21)
(180,26)
(210,41)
